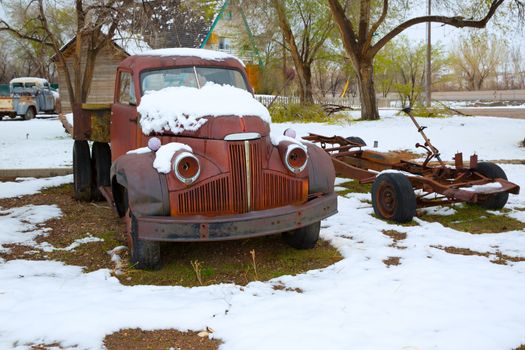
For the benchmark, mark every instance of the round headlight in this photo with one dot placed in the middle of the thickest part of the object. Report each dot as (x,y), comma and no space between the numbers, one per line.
(296,158)
(187,168)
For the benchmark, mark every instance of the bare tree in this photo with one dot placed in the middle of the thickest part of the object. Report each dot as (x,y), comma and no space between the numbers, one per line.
(304,38)
(95,21)
(364,33)
(475,57)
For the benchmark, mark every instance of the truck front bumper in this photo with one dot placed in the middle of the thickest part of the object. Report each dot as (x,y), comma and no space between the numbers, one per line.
(227,227)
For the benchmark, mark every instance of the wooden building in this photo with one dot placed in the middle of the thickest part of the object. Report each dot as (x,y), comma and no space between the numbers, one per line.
(103,83)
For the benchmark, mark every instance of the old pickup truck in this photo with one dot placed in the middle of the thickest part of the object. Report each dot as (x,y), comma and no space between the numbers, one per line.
(192,157)
(28,97)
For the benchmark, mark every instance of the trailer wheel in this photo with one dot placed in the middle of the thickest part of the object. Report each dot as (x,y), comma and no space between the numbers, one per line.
(356,139)
(30,113)
(82,170)
(144,255)
(493,171)
(393,197)
(304,237)
(100,164)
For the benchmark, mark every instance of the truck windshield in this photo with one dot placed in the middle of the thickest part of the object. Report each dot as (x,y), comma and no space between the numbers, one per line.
(191,77)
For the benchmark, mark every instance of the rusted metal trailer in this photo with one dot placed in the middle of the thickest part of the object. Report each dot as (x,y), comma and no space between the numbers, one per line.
(401,186)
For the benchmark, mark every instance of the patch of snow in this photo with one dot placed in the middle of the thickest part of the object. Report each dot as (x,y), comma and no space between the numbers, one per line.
(341,180)
(394,171)
(441,211)
(278,138)
(180,109)
(69,118)
(22,225)
(186,51)
(133,44)
(140,150)
(78,242)
(36,143)
(165,154)
(28,186)
(116,259)
(483,188)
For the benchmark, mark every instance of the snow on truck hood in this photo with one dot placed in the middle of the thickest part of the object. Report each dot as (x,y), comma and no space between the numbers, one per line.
(180,109)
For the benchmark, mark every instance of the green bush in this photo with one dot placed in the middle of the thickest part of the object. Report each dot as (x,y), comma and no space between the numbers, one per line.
(302,113)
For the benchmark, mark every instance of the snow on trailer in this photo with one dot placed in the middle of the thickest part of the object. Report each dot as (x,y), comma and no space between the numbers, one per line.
(394,180)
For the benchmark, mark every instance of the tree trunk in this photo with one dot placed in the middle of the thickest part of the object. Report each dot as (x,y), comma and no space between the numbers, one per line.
(306,85)
(367,93)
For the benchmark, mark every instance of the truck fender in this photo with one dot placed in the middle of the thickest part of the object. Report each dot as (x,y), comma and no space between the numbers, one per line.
(146,189)
(321,172)
(22,107)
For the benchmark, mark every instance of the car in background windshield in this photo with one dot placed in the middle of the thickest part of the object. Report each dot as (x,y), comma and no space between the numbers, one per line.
(195,77)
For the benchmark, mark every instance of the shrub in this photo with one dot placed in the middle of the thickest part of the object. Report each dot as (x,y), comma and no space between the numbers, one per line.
(302,113)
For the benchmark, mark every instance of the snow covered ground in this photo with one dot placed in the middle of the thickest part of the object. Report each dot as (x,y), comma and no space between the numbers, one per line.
(42,143)
(36,143)
(432,300)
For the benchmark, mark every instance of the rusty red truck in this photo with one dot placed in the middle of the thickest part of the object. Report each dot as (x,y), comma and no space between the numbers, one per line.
(185,154)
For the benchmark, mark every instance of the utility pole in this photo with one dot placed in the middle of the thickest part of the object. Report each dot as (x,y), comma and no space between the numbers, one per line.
(428,76)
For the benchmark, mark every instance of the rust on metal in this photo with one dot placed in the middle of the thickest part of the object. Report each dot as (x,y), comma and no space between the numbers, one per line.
(439,184)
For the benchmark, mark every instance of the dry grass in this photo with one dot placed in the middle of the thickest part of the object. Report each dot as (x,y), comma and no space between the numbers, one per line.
(239,261)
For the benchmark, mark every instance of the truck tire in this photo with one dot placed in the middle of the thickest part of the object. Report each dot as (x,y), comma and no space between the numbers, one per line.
(144,255)
(393,197)
(493,171)
(30,113)
(356,139)
(82,173)
(100,165)
(304,237)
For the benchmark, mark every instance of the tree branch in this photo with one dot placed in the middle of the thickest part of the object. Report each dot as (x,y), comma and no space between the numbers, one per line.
(345,27)
(377,23)
(19,34)
(457,22)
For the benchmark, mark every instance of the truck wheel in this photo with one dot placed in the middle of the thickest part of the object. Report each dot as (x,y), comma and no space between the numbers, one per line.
(30,114)
(304,237)
(493,171)
(393,197)
(100,164)
(144,255)
(82,171)
(356,139)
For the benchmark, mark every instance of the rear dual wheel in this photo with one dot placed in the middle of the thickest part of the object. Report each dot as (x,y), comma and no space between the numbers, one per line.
(90,169)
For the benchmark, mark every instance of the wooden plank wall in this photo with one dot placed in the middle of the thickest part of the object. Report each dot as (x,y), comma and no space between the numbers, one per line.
(103,84)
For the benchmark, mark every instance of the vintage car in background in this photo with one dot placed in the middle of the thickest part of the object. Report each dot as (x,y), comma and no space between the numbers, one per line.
(28,97)
(192,157)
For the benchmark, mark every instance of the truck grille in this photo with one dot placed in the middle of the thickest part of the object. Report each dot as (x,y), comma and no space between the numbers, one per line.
(247,187)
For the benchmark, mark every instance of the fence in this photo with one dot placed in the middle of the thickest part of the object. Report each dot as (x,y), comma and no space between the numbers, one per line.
(351,102)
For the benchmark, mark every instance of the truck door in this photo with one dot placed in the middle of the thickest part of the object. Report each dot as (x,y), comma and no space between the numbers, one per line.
(49,99)
(124,116)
